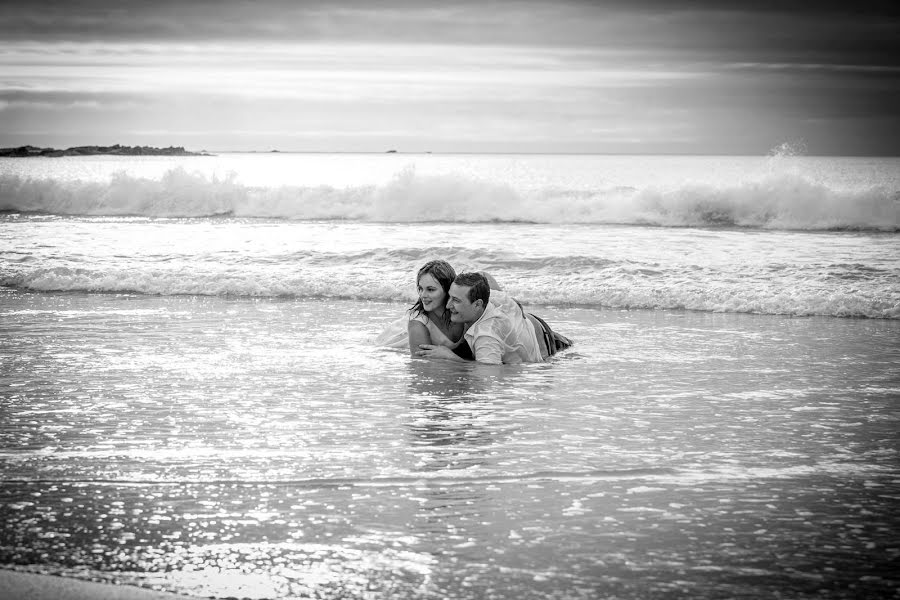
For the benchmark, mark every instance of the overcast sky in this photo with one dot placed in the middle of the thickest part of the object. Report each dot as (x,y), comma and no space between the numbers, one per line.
(698,77)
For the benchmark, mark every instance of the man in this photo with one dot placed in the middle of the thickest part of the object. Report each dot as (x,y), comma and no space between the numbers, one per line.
(497,332)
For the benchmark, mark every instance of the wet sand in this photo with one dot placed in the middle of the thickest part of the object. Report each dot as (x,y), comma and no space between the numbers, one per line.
(30,586)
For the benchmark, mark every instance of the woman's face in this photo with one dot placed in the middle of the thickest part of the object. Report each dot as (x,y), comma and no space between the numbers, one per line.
(431,293)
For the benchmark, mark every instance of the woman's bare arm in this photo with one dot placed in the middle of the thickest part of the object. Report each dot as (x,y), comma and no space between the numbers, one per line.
(418,334)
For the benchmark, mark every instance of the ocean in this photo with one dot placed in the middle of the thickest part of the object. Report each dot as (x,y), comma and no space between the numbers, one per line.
(191,399)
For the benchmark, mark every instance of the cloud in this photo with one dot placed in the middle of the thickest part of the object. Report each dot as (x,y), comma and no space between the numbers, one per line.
(823,32)
(547,72)
(339,73)
(453,21)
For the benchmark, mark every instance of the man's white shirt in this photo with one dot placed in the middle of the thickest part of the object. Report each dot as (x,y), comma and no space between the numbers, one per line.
(502,334)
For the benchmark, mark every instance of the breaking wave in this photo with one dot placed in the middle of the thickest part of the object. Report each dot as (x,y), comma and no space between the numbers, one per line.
(773,201)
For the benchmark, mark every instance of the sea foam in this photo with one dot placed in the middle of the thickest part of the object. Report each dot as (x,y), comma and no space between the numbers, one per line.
(775,200)
(358,277)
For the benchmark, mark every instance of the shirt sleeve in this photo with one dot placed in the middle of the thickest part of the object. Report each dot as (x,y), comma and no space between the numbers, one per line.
(506,303)
(488,350)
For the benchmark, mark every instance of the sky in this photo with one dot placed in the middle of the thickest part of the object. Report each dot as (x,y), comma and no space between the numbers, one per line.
(634,77)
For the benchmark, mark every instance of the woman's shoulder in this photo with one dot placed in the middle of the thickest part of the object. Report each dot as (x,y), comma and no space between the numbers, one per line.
(420,317)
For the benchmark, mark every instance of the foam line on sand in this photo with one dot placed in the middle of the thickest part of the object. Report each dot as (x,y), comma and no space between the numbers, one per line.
(15,585)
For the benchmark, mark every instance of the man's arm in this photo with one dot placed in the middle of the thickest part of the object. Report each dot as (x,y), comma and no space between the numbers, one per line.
(488,350)
(433,351)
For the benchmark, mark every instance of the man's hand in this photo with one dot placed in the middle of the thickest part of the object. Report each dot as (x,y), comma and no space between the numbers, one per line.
(434,351)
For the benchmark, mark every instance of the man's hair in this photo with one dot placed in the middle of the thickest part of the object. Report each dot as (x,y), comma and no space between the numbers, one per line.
(477,284)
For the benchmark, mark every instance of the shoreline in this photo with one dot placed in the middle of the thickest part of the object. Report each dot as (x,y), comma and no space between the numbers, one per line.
(23,585)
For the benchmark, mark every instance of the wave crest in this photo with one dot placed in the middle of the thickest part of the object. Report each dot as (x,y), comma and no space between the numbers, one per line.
(535,282)
(774,201)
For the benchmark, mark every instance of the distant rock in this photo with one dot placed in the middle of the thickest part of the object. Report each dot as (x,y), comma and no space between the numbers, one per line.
(24,151)
(117,150)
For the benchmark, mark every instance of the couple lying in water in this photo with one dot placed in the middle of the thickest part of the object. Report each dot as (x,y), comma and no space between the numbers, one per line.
(468,317)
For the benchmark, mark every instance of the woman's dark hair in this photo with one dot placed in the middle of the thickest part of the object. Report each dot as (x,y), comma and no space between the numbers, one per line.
(444,274)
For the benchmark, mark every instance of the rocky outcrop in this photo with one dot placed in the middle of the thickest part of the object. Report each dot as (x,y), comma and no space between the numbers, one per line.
(25,151)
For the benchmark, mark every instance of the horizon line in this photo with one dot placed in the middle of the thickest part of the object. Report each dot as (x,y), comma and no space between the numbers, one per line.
(458,152)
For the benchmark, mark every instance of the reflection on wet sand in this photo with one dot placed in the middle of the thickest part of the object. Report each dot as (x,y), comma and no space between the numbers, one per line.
(457,428)
(455,420)
(460,411)
(445,379)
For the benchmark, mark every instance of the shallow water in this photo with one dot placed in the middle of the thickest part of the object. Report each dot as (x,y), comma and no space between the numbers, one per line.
(727,269)
(262,447)
(190,400)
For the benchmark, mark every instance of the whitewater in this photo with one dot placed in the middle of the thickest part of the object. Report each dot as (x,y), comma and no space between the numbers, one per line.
(777,192)
(191,399)
(771,235)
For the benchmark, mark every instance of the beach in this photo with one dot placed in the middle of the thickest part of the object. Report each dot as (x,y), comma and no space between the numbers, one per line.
(31,586)
(193,404)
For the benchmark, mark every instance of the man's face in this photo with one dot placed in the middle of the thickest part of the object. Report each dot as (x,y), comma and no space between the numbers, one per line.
(461,310)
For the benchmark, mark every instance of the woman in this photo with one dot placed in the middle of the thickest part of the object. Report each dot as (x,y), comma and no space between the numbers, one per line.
(428,321)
